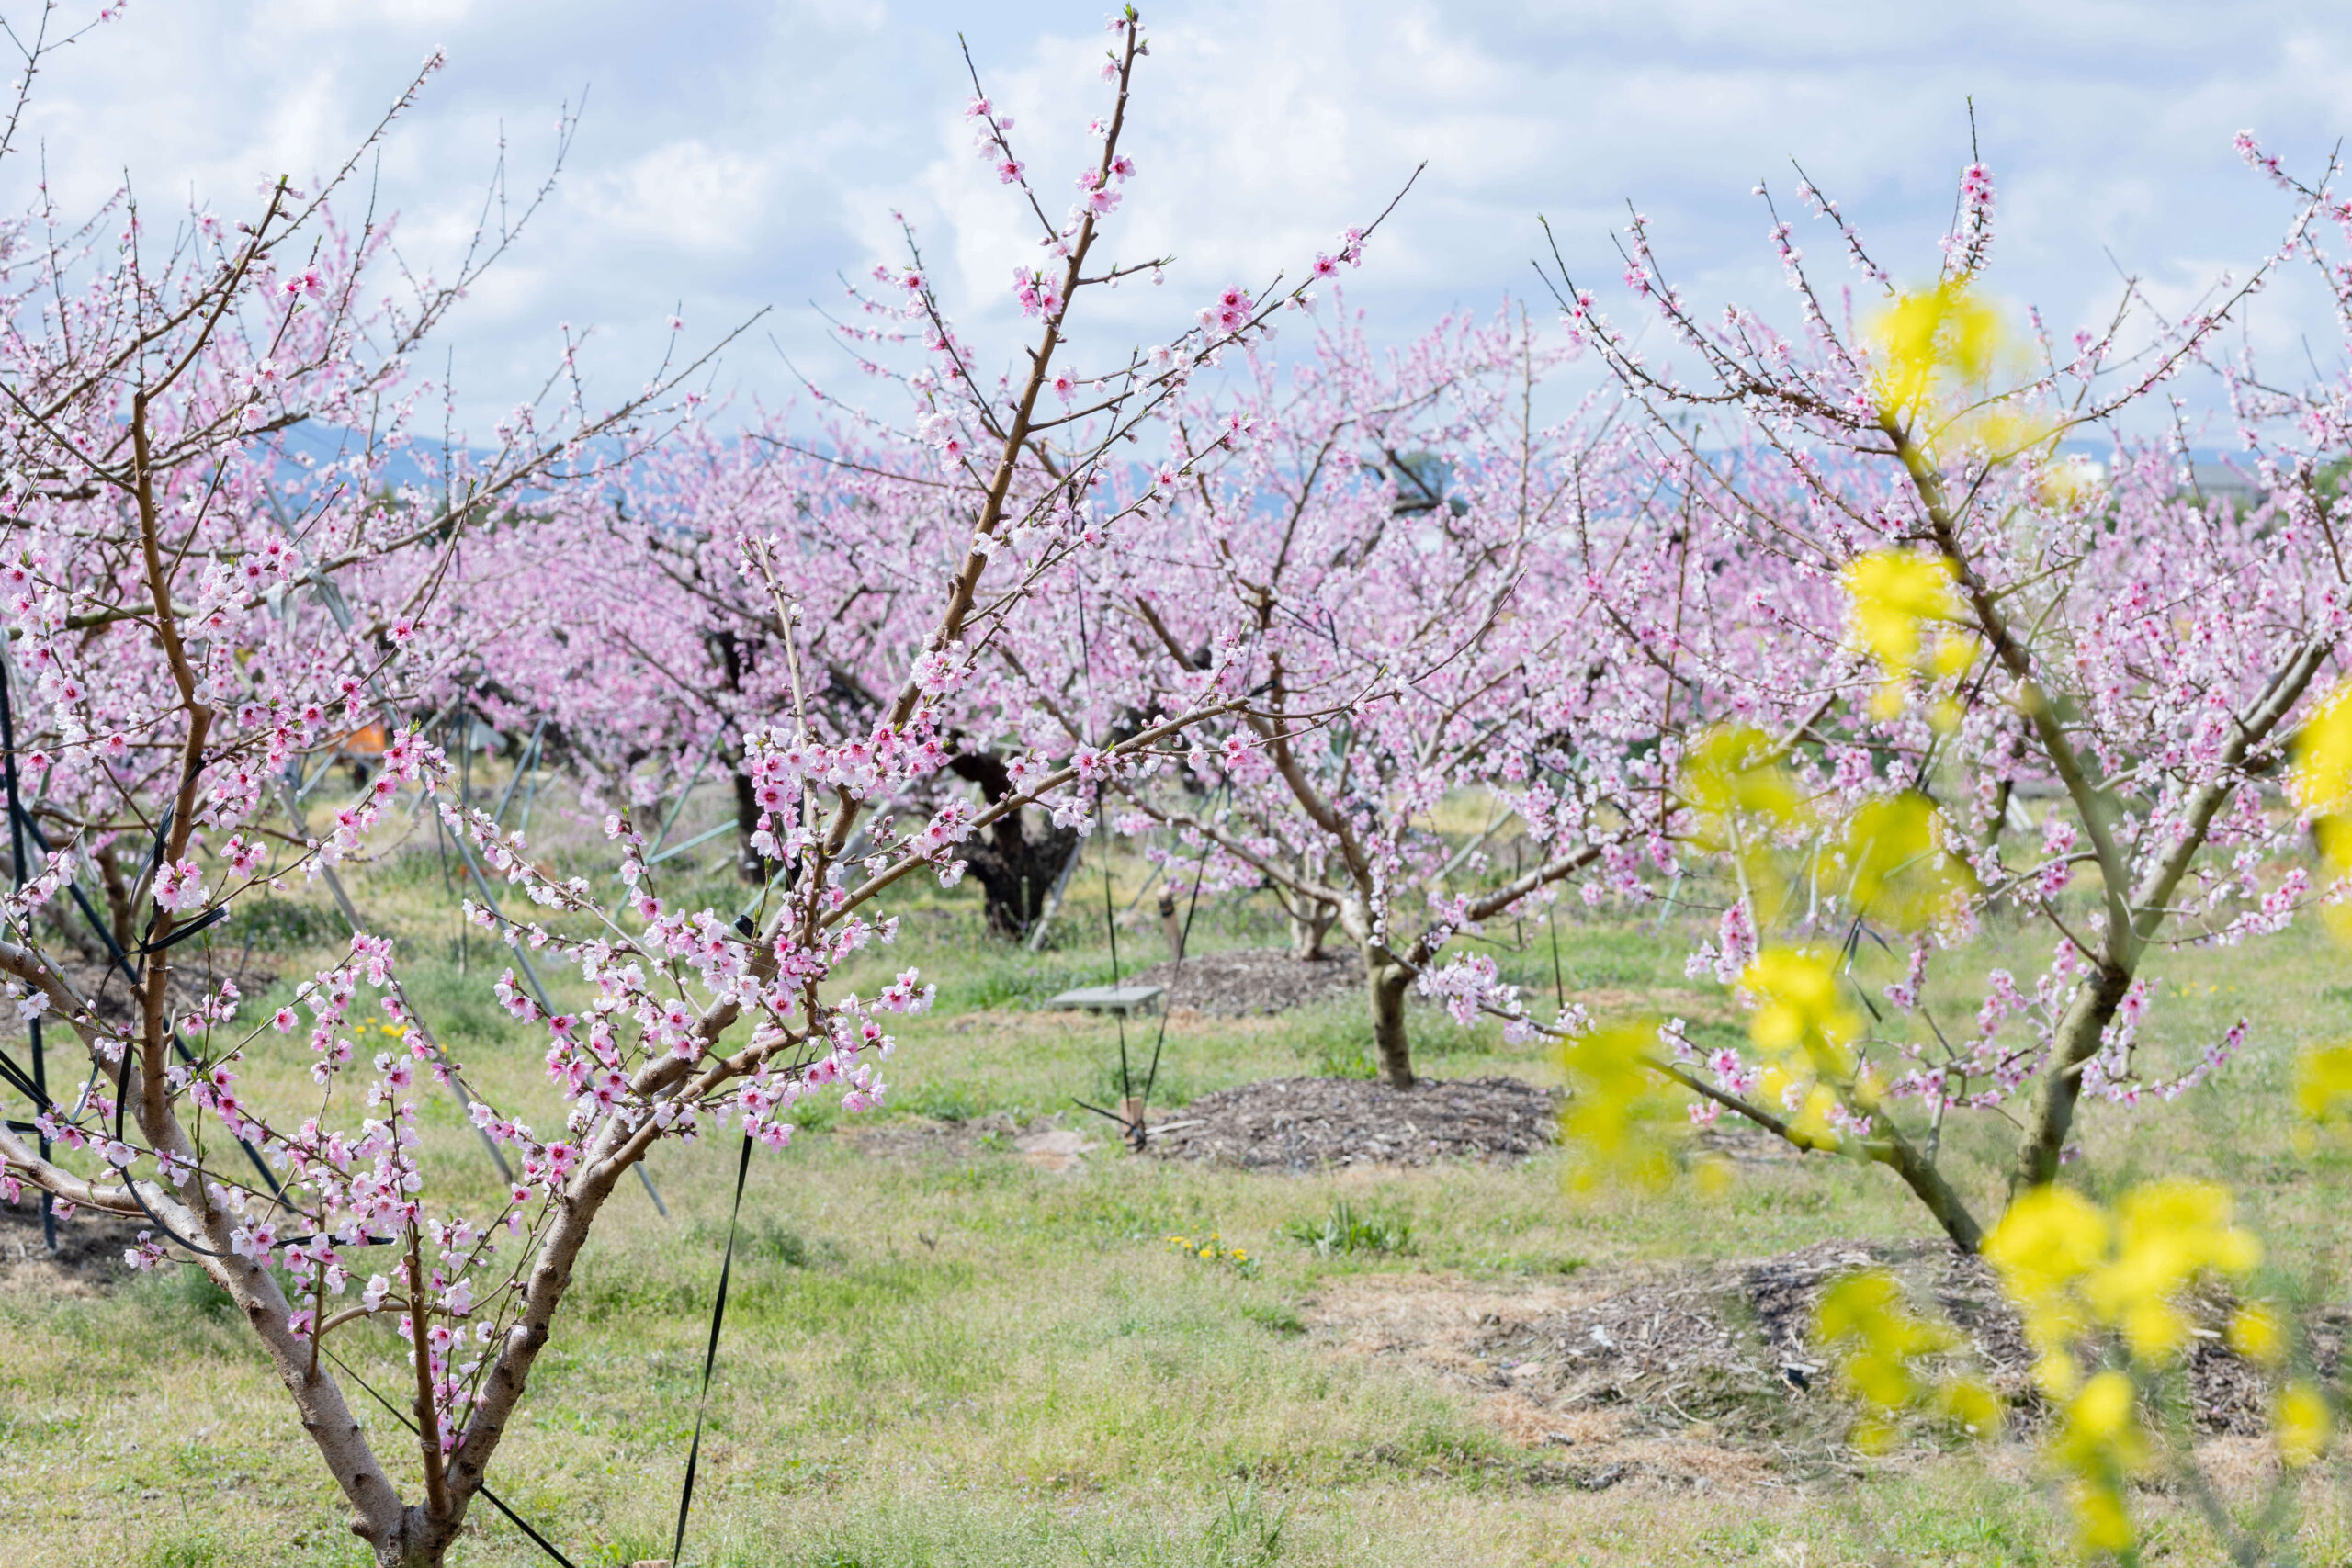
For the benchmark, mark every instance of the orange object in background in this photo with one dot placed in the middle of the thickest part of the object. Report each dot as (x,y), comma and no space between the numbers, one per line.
(366,742)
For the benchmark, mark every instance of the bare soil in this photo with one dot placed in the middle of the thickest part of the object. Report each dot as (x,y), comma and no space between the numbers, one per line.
(1706,1373)
(1056,1143)
(1304,1124)
(1246,980)
(88,1259)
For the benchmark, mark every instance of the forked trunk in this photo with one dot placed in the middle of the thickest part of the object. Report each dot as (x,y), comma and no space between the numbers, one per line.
(1306,932)
(1388,979)
(419,1543)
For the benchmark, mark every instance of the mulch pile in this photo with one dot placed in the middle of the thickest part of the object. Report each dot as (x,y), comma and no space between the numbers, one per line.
(1729,1342)
(1657,1369)
(1304,1124)
(1245,980)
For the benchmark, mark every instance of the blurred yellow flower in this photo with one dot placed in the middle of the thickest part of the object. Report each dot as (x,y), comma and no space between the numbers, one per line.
(2257,1333)
(1893,592)
(1799,1007)
(2300,1417)
(1622,1119)
(1900,873)
(1934,355)
(1896,596)
(2324,1083)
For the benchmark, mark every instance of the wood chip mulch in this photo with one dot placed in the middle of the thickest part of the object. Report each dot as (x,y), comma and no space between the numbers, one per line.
(1709,1341)
(1306,1124)
(1246,980)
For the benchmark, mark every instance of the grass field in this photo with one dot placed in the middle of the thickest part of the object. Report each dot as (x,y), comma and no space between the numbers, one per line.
(938,1353)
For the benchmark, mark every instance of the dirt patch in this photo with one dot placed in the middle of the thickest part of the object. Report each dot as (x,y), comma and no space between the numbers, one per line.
(1049,1142)
(1689,1371)
(1302,1124)
(1246,980)
(102,985)
(88,1259)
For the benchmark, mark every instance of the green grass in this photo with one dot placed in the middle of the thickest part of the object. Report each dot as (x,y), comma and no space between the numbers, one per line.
(970,1360)
(1349,1229)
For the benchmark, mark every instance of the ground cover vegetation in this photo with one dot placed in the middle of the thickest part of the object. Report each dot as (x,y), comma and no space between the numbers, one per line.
(526,959)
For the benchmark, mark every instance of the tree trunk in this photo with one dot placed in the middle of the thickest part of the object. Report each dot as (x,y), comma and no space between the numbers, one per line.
(1171,927)
(1306,932)
(1388,980)
(419,1543)
(1015,872)
(2076,1040)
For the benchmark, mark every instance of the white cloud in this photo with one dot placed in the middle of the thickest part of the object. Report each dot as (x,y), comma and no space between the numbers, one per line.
(737,154)
(699,197)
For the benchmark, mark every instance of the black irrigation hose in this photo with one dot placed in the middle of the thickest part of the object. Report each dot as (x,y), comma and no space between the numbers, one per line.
(24,1083)
(710,1357)
(213,917)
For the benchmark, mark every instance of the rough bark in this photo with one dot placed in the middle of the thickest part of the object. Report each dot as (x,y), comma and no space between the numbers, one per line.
(1306,931)
(1015,872)
(1388,979)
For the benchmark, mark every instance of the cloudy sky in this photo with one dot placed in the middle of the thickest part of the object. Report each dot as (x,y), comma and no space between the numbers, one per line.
(737,155)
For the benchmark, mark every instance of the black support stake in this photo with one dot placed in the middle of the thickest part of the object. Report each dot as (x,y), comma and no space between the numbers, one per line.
(17,866)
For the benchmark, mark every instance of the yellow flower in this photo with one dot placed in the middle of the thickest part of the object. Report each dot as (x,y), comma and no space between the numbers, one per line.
(2069,1269)
(1899,870)
(2045,1244)
(1619,1119)
(2101,1524)
(1896,594)
(1736,767)
(2324,1083)
(1971,1403)
(1799,1007)
(2321,780)
(2322,754)
(2102,1413)
(1934,352)
(1879,1342)
(2300,1417)
(1893,592)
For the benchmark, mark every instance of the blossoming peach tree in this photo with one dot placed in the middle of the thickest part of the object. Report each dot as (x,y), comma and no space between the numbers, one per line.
(168,605)
(2016,626)
(675,645)
(2060,697)
(1415,542)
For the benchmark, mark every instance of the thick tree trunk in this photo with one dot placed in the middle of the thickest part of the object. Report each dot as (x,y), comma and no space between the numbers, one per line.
(1307,933)
(420,1542)
(1387,980)
(2076,1040)
(1016,873)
